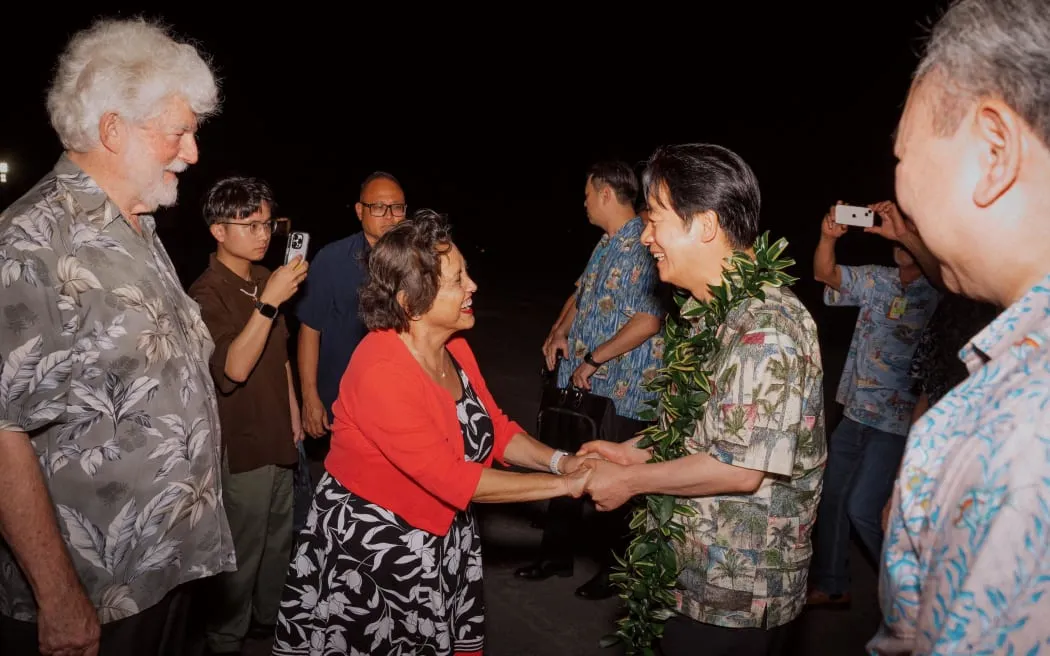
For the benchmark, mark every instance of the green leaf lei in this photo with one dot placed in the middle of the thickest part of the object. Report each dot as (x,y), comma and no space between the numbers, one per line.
(648,576)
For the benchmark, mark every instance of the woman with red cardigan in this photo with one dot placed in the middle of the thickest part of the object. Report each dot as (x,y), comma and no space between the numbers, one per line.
(390,559)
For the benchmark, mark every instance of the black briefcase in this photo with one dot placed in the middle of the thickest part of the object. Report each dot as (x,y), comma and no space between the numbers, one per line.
(570,416)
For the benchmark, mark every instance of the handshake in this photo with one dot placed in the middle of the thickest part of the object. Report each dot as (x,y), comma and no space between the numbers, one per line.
(602,470)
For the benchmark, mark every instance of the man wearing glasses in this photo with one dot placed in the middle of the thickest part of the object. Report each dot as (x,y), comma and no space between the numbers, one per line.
(258,408)
(329,326)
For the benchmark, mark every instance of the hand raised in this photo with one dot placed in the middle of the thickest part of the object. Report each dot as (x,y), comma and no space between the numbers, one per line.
(284,281)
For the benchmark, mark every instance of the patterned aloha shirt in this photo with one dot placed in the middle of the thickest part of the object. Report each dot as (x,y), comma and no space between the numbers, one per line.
(620,280)
(746,557)
(966,565)
(876,388)
(104,364)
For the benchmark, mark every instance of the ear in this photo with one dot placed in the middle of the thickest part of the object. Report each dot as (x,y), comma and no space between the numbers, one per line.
(111,132)
(402,300)
(218,231)
(1001,137)
(704,227)
(359,208)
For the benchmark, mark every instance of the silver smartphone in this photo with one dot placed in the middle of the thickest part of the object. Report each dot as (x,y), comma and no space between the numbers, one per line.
(853,215)
(298,242)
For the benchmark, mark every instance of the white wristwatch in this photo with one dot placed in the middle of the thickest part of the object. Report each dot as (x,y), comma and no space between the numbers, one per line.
(555,459)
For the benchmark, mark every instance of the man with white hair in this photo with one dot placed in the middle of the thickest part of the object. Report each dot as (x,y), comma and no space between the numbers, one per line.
(966,565)
(109,431)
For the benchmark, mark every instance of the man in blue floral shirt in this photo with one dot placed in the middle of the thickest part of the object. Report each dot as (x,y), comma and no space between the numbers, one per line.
(608,334)
(877,395)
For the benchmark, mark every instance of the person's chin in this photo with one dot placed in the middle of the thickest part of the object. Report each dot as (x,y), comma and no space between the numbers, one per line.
(466,321)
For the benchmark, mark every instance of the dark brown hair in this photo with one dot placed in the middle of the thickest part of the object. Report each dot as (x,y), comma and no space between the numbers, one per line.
(406,259)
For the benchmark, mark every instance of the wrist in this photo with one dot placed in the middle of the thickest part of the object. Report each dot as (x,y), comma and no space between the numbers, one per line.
(269,300)
(592,359)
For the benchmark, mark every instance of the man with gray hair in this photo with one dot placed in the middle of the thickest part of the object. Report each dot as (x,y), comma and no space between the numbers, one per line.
(966,565)
(109,432)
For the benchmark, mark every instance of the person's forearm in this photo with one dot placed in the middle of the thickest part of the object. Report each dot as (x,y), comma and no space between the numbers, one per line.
(638,328)
(292,399)
(309,351)
(246,349)
(696,475)
(498,486)
(931,268)
(526,451)
(825,268)
(28,525)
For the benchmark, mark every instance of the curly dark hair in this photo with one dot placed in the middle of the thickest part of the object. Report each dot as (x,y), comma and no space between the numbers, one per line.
(407,260)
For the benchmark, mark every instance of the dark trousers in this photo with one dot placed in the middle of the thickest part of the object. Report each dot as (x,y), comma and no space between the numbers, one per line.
(562,528)
(684,636)
(164,629)
(862,467)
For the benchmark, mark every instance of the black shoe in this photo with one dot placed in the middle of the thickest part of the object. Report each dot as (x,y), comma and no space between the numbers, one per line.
(597,588)
(544,569)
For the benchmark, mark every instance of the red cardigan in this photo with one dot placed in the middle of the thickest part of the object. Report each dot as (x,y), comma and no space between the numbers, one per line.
(396,439)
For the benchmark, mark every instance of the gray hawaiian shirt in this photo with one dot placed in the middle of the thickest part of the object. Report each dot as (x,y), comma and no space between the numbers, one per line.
(104,365)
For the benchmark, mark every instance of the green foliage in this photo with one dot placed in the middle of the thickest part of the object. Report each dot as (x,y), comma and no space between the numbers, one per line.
(648,574)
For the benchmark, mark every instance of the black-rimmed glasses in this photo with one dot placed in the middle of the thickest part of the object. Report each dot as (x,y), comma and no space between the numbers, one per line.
(380,209)
(256,228)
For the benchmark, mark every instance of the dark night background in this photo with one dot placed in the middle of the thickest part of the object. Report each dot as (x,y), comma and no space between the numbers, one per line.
(493,117)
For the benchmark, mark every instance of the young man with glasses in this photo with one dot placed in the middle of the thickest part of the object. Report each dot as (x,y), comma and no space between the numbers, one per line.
(329,325)
(258,408)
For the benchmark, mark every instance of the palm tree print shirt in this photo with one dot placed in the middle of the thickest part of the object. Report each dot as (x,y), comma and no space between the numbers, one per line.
(746,556)
(104,366)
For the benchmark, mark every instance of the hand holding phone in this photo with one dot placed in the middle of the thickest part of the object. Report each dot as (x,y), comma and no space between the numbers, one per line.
(298,242)
(284,282)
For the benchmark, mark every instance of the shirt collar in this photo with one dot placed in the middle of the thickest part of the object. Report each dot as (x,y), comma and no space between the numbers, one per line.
(1011,329)
(249,287)
(91,204)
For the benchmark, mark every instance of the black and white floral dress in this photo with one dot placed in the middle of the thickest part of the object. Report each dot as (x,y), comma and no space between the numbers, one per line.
(364,582)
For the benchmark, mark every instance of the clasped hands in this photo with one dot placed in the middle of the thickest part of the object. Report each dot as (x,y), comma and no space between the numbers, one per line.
(601,470)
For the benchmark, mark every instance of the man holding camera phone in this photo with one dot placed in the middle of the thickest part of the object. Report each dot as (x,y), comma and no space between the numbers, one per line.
(258,408)
(876,391)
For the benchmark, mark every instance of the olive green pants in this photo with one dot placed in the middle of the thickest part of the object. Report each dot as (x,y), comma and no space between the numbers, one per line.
(259,508)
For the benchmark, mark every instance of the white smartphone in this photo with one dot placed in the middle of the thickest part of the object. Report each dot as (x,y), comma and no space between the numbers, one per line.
(298,242)
(863,217)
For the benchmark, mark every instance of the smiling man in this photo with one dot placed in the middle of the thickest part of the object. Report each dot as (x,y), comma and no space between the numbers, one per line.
(109,431)
(965,567)
(753,473)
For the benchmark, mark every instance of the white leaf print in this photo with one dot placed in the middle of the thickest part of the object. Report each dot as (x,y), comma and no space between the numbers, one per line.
(84,536)
(46,411)
(120,538)
(70,327)
(36,232)
(52,371)
(131,295)
(96,399)
(140,388)
(116,603)
(75,278)
(91,459)
(11,272)
(155,511)
(85,234)
(157,557)
(83,420)
(19,370)
(66,303)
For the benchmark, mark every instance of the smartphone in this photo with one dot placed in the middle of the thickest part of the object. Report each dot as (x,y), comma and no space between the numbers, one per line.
(863,217)
(298,242)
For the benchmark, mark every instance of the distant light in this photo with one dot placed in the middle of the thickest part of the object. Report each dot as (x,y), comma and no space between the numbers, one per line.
(3,167)
(3,177)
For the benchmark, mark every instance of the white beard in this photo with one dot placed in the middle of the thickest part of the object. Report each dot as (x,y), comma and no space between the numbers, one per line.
(152,189)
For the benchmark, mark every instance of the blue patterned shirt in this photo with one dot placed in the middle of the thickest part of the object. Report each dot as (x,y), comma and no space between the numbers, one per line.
(966,565)
(876,388)
(620,280)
